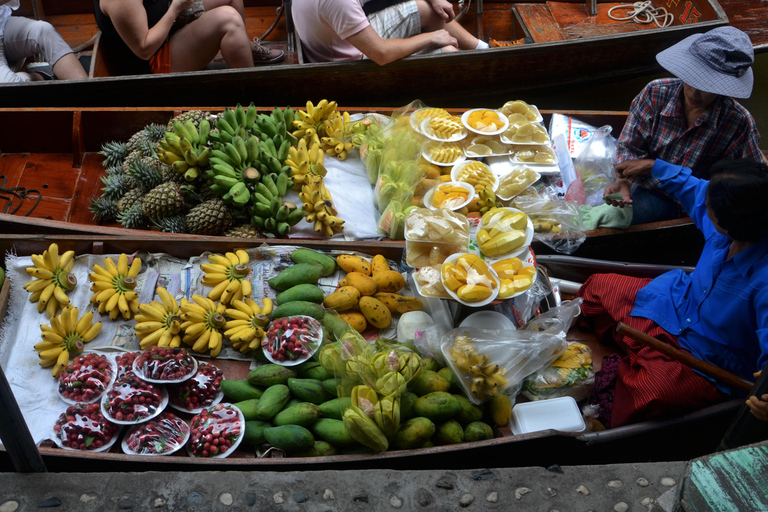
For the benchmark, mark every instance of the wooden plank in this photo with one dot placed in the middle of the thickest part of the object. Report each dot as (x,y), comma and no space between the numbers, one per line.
(89,185)
(52,174)
(47,208)
(575,22)
(12,167)
(76,29)
(750,18)
(540,24)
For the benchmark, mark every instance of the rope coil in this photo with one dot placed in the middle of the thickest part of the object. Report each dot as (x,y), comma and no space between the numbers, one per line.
(20,193)
(643,13)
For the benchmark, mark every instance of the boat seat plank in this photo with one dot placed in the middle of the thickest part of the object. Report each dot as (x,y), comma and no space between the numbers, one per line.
(76,29)
(12,167)
(52,174)
(48,208)
(575,23)
(541,26)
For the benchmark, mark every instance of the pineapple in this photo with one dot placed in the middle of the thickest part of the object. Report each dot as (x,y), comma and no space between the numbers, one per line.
(132,218)
(242,231)
(130,198)
(154,132)
(172,224)
(164,200)
(115,186)
(114,153)
(209,218)
(146,172)
(104,209)
(192,115)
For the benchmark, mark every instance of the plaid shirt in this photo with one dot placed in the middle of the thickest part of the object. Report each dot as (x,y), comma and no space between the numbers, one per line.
(657,128)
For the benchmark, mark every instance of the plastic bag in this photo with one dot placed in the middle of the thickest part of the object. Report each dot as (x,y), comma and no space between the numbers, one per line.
(558,319)
(487,363)
(595,165)
(523,307)
(571,374)
(557,224)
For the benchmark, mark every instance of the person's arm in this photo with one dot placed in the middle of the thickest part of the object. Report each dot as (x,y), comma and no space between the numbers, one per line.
(444,9)
(383,51)
(691,192)
(758,405)
(130,20)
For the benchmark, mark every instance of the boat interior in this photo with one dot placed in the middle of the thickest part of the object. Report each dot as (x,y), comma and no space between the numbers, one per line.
(501,22)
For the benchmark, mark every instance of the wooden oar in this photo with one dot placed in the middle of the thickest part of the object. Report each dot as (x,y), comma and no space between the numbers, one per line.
(694,362)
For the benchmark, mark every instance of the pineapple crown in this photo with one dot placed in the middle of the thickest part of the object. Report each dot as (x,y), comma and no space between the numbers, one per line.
(115,186)
(132,218)
(114,153)
(103,209)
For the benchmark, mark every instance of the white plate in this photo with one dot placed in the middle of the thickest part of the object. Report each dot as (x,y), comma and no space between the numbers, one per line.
(430,134)
(218,398)
(103,448)
(414,118)
(539,117)
(502,119)
(237,442)
(126,449)
(507,140)
(556,413)
(526,256)
(113,366)
(520,250)
(425,154)
(140,374)
(469,188)
(517,148)
(507,198)
(313,346)
(495,291)
(456,170)
(492,320)
(160,408)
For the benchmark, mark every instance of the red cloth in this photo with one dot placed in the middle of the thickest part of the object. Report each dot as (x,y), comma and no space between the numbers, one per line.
(649,383)
(160,62)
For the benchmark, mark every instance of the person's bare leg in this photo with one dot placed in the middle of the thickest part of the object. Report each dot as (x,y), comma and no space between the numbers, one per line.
(235,4)
(195,45)
(466,40)
(69,68)
(431,21)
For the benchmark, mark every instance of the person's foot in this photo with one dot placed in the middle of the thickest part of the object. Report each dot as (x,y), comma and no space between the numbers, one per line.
(264,55)
(41,68)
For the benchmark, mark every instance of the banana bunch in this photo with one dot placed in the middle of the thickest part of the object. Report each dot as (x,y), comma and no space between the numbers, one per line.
(304,162)
(246,328)
(487,379)
(337,140)
(274,139)
(66,336)
(310,124)
(185,148)
(112,287)
(318,207)
(487,199)
(159,323)
(227,276)
(233,122)
(202,320)
(269,212)
(232,169)
(52,279)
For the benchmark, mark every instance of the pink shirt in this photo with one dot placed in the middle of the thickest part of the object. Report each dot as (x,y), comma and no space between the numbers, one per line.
(324,25)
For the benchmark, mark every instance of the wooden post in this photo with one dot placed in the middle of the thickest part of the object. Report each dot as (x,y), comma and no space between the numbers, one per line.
(14,433)
(592,7)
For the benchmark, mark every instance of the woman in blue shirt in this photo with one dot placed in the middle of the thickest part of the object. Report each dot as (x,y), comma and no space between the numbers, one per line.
(718,313)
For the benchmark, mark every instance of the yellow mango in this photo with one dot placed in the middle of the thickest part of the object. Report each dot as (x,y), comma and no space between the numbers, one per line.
(342,299)
(377,314)
(503,243)
(389,281)
(349,263)
(473,292)
(530,271)
(483,236)
(397,303)
(379,264)
(506,289)
(364,283)
(356,320)
(522,282)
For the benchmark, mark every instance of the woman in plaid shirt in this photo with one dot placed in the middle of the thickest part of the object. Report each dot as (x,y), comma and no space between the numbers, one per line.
(691,120)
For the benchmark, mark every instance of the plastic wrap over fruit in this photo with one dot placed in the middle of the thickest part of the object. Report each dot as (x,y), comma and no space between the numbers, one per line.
(161,436)
(359,419)
(84,427)
(165,365)
(202,390)
(132,400)
(429,282)
(441,225)
(216,431)
(86,378)
(515,182)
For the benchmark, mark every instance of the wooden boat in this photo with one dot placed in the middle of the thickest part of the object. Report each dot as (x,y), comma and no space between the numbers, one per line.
(562,47)
(61,160)
(675,439)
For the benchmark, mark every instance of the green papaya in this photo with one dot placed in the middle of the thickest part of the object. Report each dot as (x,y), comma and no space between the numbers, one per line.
(477,431)
(334,432)
(305,292)
(335,408)
(413,434)
(449,432)
(239,390)
(248,408)
(274,398)
(428,381)
(300,273)
(290,438)
(304,414)
(437,406)
(299,307)
(321,449)
(254,432)
(269,375)
(308,390)
(310,256)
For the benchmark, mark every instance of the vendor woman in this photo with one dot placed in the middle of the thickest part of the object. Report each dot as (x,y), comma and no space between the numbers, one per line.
(718,313)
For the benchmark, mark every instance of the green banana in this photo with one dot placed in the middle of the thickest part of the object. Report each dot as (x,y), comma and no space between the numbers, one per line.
(270,184)
(224,170)
(271,147)
(190,156)
(225,137)
(180,129)
(205,131)
(270,224)
(204,156)
(252,147)
(261,199)
(233,153)
(282,184)
(274,165)
(194,135)
(278,115)
(239,144)
(240,114)
(283,228)
(230,117)
(226,181)
(257,221)
(184,144)
(250,116)
(192,174)
(274,206)
(262,189)
(180,166)
(289,116)
(240,194)
(295,216)
(282,213)
(261,209)
(282,153)
(223,126)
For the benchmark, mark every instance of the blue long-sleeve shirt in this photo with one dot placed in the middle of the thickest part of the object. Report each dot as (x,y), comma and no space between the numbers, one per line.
(720,311)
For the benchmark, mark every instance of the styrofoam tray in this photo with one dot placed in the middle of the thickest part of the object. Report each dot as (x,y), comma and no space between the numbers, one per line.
(561,414)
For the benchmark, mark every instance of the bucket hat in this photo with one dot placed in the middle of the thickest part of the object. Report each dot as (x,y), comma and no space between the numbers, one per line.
(718,62)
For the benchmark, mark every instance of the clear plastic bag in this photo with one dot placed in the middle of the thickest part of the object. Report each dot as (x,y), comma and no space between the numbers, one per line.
(596,165)
(555,223)
(490,362)
(558,319)
(571,374)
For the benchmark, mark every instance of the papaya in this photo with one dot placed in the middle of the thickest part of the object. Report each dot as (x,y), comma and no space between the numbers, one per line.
(239,390)
(300,273)
(269,374)
(399,304)
(413,434)
(304,414)
(320,449)
(334,432)
(477,431)
(342,299)
(305,292)
(437,406)
(449,432)
(390,281)
(290,438)
(428,381)
(335,408)
(248,408)
(310,256)
(375,312)
(274,398)
(349,263)
(356,320)
(379,264)
(254,432)
(297,308)
(364,283)
(308,390)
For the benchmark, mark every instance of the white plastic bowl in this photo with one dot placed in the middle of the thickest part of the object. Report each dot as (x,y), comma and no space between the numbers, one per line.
(469,188)
(503,121)
(490,320)
(494,291)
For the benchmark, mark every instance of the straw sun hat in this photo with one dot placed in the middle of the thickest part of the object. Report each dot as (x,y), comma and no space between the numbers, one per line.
(718,62)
